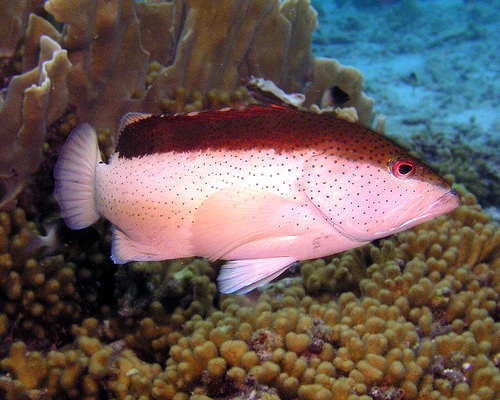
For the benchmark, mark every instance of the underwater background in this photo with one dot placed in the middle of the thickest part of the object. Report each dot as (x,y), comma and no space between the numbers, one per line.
(412,316)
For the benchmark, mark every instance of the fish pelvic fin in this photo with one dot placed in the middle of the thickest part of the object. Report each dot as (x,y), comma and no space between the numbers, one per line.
(74,176)
(242,276)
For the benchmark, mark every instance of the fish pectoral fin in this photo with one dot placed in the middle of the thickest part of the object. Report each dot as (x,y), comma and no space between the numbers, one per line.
(242,276)
(236,215)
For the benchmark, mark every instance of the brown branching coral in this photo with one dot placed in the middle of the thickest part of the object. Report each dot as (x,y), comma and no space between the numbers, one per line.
(41,296)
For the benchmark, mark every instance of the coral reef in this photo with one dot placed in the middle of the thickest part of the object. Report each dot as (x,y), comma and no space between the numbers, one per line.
(104,44)
(412,316)
(186,283)
(195,48)
(33,101)
(14,17)
(328,73)
(39,296)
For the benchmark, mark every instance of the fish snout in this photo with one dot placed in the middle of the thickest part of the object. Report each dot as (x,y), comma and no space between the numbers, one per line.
(448,201)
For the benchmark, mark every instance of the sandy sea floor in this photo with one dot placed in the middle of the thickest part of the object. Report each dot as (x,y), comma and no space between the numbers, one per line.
(430,65)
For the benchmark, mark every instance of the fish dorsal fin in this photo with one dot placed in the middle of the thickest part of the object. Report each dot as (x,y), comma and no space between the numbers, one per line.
(230,129)
(236,215)
(130,118)
(242,276)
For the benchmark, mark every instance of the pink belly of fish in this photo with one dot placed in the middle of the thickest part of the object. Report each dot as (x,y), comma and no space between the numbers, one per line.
(228,205)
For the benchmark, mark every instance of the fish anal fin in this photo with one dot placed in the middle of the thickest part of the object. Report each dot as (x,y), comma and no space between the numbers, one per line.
(242,276)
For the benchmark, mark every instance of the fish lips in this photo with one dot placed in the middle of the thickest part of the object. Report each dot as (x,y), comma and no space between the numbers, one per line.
(442,205)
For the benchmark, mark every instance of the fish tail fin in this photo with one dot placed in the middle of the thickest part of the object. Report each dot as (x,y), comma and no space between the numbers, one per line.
(74,175)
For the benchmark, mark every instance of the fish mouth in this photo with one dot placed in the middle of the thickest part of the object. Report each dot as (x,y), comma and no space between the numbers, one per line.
(447,202)
(442,205)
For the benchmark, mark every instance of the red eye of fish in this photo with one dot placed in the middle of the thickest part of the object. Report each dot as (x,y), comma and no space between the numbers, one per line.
(403,168)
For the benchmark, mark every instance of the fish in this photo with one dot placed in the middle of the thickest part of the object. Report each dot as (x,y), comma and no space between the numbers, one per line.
(261,187)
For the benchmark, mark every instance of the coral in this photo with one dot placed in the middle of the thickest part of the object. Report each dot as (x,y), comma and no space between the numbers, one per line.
(151,57)
(181,101)
(264,341)
(257,38)
(328,73)
(418,318)
(186,283)
(182,51)
(37,198)
(103,41)
(33,101)
(14,17)
(30,370)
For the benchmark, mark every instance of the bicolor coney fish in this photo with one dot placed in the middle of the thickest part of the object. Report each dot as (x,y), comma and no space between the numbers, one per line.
(260,186)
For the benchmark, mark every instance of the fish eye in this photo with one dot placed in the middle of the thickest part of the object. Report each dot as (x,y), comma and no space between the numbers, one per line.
(403,168)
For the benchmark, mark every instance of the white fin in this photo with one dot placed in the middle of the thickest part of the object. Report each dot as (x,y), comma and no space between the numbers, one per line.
(242,276)
(74,175)
(123,249)
(131,117)
(236,215)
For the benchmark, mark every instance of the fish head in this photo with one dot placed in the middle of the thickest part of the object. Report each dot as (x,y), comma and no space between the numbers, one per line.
(411,193)
(373,188)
